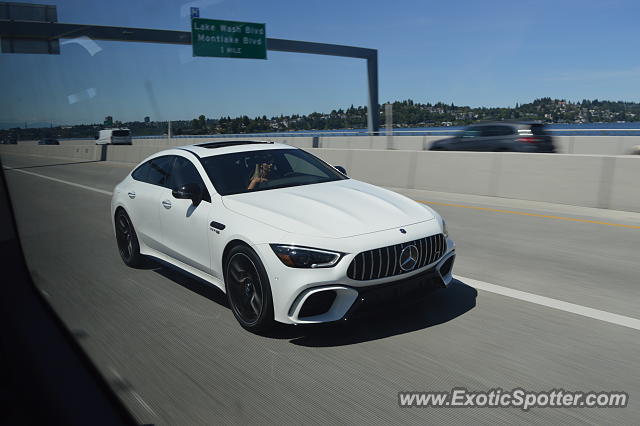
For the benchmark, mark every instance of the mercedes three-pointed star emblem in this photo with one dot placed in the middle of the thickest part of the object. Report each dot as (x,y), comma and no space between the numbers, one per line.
(408,258)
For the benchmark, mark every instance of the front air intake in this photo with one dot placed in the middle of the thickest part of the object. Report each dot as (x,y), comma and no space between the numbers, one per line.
(318,303)
(446,266)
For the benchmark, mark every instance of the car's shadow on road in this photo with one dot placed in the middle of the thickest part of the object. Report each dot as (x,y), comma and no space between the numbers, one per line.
(389,320)
(187,280)
(402,317)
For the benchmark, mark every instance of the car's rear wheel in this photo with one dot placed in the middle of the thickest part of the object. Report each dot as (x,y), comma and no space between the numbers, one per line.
(127,240)
(248,289)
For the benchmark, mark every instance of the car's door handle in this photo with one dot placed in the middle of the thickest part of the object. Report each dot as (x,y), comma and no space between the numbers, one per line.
(166,204)
(132,195)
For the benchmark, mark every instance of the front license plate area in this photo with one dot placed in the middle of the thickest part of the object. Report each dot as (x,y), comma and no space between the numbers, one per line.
(420,285)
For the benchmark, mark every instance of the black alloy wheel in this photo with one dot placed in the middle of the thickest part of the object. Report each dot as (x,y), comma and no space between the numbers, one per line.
(248,289)
(127,240)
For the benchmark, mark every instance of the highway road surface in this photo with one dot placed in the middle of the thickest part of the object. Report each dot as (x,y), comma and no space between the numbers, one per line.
(546,298)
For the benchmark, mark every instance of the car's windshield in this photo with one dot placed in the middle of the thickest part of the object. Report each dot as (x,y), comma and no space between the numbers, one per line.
(266,169)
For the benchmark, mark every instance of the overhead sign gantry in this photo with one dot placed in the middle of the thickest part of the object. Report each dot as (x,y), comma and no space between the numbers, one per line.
(30,31)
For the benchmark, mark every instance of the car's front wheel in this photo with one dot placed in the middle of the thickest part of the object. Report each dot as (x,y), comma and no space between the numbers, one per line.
(127,240)
(248,289)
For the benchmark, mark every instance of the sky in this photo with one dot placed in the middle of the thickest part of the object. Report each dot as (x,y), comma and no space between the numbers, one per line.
(477,53)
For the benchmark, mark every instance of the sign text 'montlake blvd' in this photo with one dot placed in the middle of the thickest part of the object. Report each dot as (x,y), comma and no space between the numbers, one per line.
(228,39)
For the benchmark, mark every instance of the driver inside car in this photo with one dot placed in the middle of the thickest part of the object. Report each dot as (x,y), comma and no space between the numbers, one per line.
(261,173)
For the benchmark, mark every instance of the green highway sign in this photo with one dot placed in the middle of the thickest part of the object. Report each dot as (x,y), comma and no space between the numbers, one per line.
(228,39)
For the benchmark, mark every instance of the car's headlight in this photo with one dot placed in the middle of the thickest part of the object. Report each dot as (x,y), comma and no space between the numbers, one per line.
(445,231)
(305,257)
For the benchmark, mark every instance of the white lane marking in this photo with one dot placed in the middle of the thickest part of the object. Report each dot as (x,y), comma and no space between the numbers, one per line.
(493,288)
(101,191)
(554,303)
(142,402)
(133,393)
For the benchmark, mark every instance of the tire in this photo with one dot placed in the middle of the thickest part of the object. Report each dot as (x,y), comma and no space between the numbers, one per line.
(248,289)
(127,240)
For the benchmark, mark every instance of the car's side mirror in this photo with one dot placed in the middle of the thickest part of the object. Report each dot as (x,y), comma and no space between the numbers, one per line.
(341,169)
(189,191)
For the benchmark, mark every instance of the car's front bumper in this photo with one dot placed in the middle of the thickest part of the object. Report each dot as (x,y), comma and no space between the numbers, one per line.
(292,288)
(351,301)
(408,289)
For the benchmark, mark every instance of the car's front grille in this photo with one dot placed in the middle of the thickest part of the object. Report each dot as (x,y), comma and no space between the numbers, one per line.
(385,261)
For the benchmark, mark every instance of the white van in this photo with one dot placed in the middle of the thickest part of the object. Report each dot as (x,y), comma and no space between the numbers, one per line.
(114,137)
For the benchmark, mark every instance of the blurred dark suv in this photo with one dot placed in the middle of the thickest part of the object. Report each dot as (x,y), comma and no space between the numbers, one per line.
(499,137)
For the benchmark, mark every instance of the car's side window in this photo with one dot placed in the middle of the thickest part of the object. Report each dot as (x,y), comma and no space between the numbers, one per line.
(160,170)
(184,172)
(504,130)
(141,172)
(497,130)
(472,132)
(488,131)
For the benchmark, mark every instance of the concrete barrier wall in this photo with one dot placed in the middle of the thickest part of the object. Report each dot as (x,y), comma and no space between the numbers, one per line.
(469,173)
(374,166)
(625,184)
(86,152)
(408,143)
(131,154)
(565,179)
(598,145)
(600,181)
(74,142)
(611,182)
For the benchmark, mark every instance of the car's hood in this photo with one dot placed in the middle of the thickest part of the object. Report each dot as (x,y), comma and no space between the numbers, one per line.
(332,209)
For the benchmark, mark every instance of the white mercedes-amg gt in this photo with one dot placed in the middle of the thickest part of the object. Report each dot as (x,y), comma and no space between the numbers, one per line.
(286,236)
